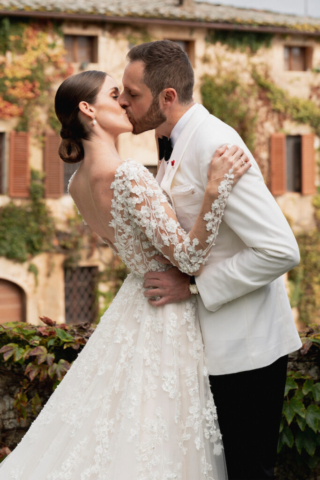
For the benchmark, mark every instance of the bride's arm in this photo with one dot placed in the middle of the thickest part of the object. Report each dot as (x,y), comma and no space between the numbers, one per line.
(149,209)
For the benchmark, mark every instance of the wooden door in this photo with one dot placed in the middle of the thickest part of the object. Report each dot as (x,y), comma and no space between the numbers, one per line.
(12,302)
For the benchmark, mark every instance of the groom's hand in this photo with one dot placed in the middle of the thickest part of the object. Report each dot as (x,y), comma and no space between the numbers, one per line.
(172,285)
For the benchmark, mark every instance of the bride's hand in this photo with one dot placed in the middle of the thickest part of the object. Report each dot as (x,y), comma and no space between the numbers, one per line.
(222,161)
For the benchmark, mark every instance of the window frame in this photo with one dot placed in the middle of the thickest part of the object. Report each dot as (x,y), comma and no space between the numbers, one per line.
(75,49)
(293,167)
(308,57)
(278,164)
(3,170)
(190,50)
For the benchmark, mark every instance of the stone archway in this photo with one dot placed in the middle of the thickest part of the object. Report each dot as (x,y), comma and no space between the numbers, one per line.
(12,302)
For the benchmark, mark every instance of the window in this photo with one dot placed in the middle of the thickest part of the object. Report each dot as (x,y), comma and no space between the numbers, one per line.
(80,294)
(292,164)
(68,170)
(187,46)
(297,59)
(19,178)
(81,48)
(293,158)
(2,159)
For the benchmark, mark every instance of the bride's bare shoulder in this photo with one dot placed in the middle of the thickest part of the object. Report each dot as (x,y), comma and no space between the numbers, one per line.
(102,178)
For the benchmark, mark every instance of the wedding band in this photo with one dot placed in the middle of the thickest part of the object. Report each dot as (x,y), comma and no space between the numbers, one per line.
(243,163)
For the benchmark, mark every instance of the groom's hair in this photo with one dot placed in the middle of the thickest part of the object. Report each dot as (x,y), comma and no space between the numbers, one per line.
(166,66)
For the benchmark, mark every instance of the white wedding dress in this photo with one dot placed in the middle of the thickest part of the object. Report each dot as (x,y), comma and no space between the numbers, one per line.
(136,404)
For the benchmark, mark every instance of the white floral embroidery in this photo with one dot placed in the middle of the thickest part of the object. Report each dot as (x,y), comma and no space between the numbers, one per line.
(136,403)
(138,203)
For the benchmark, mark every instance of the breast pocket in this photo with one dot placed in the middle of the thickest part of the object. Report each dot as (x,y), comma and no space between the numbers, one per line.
(184,195)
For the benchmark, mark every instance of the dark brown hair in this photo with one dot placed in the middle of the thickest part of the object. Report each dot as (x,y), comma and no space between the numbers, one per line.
(166,66)
(83,87)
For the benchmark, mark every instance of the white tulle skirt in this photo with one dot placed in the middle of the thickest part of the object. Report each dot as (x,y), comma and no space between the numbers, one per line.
(136,404)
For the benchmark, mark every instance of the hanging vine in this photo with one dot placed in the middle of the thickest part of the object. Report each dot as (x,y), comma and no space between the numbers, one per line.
(31,61)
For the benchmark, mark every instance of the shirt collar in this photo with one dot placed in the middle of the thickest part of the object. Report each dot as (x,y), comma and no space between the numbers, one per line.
(179,126)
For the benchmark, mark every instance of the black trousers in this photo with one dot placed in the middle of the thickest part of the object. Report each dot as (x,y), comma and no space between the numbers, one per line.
(249,406)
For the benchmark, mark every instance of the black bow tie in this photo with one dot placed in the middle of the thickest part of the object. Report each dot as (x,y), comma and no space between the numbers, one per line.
(165,148)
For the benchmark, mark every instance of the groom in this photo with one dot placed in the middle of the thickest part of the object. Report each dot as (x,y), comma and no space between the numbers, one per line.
(243,307)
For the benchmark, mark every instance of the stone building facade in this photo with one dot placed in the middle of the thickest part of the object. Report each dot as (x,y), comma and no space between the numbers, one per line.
(98,35)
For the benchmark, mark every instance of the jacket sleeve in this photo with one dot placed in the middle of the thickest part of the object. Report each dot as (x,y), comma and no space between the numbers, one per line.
(270,248)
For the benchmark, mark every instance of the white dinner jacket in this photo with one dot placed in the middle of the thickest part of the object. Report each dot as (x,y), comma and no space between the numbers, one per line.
(243,306)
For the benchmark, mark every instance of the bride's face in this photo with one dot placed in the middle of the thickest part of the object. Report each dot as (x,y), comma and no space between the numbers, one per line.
(110,116)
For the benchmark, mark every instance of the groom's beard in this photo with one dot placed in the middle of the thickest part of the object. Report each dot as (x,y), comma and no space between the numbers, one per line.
(151,120)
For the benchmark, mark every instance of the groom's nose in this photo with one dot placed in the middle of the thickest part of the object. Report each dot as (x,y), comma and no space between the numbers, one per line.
(123,100)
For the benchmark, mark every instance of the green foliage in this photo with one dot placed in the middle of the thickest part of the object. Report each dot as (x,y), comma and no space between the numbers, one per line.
(299,438)
(298,109)
(53,120)
(305,278)
(316,204)
(312,339)
(239,40)
(39,356)
(229,100)
(32,61)
(11,36)
(28,229)
(138,36)
(34,269)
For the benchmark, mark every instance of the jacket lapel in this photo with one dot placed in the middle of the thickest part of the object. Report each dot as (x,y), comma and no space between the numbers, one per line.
(165,177)
(161,172)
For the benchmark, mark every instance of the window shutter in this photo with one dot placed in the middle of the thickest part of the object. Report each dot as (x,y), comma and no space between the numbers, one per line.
(308,165)
(278,164)
(53,167)
(19,165)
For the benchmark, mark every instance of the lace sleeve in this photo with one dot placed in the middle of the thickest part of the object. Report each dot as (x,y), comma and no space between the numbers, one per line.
(148,209)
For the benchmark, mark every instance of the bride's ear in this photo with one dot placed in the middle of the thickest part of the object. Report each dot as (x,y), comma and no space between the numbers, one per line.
(87,109)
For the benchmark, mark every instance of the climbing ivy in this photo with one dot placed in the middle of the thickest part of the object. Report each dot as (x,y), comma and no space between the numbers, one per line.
(31,60)
(230,100)
(27,229)
(300,110)
(36,358)
(239,40)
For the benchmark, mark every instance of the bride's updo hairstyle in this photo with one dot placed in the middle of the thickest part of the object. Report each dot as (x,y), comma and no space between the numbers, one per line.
(83,87)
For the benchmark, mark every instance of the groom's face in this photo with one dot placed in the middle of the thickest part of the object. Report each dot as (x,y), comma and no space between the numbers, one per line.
(142,108)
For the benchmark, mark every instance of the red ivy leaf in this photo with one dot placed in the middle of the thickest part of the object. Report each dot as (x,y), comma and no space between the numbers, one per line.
(50,359)
(44,331)
(12,349)
(63,326)
(59,369)
(40,352)
(43,372)
(8,350)
(32,371)
(4,452)
(48,321)
(305,347)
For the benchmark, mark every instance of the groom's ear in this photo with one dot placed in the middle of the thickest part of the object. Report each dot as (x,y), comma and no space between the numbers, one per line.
(168,97)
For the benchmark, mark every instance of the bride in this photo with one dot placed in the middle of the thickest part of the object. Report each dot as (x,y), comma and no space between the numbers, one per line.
(136,404)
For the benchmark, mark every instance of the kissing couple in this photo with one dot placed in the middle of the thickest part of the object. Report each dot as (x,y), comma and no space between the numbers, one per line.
(183,378)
